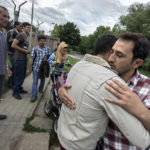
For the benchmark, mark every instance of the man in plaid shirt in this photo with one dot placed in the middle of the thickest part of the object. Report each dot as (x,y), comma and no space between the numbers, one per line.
(139,84)
(39,53)
(125,62)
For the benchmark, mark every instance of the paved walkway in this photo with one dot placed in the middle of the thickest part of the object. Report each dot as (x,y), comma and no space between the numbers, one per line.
(17,112)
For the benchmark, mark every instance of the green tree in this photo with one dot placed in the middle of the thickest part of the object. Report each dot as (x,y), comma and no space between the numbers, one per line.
(117,29)
(100,31)
(137,19)
(68,33)
(56,31)
(87,42)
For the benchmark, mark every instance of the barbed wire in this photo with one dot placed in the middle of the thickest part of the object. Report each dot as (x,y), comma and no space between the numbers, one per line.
(26,10)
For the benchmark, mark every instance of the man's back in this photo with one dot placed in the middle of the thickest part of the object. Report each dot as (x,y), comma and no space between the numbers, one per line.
(10,37)
(79,129)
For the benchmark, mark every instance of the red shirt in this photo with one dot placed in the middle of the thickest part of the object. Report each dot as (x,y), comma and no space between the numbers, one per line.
(113,138)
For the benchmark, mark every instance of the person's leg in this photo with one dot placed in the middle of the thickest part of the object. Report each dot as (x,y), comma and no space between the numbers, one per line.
(18,73)
(35,84)
(24,64)
(2,77)
(42,83)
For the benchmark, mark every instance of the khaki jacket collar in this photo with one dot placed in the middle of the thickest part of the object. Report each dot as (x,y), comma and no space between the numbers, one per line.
(97,60)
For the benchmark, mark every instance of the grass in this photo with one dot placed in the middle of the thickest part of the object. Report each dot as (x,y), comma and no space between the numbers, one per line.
(72,61)
(31,129)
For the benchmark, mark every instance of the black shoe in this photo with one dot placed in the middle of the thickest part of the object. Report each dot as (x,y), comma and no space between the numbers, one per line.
(33,99)
(2,117)
(40,91)
(17,96)
(23,92)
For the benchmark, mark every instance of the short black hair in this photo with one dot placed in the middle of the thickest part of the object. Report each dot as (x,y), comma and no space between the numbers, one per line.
(17,23)
(141,44)
(41,37)
(104,44)
(26,24)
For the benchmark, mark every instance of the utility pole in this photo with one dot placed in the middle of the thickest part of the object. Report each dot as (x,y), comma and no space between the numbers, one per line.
(36,30)
(16,13)
(30,44)
(50,28)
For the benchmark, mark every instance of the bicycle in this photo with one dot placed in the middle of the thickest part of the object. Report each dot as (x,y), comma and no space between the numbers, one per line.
(53,104)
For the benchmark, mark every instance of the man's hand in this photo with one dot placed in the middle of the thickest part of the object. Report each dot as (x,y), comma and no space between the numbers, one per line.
(28,71)
(27,52)
(9,73)
(45,58)
(65,97)
(126,98)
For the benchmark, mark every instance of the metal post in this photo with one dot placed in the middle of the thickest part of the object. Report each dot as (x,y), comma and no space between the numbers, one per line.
(30,44)
(16,13)
(36,30)
(50,28)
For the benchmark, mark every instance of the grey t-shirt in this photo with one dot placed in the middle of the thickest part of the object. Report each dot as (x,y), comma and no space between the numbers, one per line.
(3,49)
(23,43)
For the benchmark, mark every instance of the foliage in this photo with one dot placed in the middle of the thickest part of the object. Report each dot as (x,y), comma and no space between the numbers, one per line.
(68,33)
(118,29)
(87,42)
(137,19)
(146,65)
(56,31)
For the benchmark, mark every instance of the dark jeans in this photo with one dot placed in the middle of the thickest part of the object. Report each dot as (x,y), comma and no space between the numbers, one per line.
(2,77)
(19,75)
(10,82)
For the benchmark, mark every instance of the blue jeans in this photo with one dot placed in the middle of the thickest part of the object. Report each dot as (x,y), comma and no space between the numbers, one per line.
(35,84)
(10,82)
(19,75)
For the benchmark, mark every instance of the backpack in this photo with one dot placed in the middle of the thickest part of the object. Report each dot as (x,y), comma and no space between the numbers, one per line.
(10,37)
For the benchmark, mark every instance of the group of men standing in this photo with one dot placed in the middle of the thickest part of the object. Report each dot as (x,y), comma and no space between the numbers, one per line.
(15,43)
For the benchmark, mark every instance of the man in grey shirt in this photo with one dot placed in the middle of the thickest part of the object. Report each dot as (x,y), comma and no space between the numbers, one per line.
(4,18)
(11,34)
(20,44)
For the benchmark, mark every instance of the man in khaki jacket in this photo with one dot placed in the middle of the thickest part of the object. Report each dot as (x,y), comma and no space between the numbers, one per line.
(80,128)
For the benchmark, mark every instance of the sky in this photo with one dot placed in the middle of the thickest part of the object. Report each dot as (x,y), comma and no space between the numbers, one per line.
(86,14)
